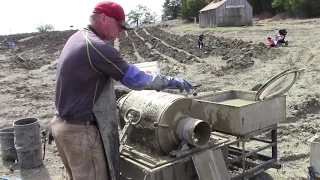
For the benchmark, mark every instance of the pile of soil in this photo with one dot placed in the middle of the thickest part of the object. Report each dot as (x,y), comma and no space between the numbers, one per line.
(309,106)
(51,42)
(127,49)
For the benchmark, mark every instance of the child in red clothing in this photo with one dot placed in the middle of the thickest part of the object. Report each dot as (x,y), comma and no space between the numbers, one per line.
(270,42)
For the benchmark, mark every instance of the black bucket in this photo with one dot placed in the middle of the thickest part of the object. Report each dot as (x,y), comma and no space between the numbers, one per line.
(27,142)
(8,150)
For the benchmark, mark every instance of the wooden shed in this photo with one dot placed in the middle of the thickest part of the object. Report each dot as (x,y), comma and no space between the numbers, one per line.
(226,13)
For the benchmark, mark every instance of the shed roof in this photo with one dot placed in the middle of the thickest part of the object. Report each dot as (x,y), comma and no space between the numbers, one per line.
(213,5)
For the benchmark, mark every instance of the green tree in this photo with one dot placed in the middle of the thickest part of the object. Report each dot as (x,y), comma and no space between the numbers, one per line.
(291,6)
(149,18)
(191,8)
(171,9)
(134,16)
(261,6)
(141,15)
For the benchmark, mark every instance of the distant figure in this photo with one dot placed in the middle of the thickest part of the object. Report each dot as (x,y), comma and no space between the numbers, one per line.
(200,41)
(280,38)
(270,42)
(13,44)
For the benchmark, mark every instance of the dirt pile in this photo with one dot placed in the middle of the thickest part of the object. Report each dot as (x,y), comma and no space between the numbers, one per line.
(309,106)
(164,48)
(127,49)
(144,51)
(18,36)
(28,64)
(51,42)
(239,54)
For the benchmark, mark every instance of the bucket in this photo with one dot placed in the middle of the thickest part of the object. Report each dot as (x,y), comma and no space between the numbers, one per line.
(315,154)
(8,150)
(149,67)
(27,142)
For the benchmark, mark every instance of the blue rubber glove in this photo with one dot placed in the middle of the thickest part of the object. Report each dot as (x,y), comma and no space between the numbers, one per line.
(177,83)
(138,80)
(4,178)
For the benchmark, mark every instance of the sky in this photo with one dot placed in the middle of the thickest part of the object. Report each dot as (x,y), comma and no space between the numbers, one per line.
(22,16)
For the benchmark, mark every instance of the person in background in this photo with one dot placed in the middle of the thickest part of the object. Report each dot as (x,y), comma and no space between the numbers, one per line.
(200,41)
(270,42)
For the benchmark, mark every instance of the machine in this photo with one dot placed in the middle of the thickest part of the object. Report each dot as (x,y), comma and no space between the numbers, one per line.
(216,135)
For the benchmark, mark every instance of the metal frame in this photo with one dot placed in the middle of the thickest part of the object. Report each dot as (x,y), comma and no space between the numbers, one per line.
(238,156)
(251,163)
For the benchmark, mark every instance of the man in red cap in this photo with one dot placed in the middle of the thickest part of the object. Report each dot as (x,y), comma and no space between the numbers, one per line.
(85,127)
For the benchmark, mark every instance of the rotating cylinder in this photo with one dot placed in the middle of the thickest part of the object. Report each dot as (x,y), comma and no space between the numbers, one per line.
(161,121)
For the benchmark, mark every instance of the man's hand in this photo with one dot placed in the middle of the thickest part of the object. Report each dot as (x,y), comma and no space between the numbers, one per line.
(177,83)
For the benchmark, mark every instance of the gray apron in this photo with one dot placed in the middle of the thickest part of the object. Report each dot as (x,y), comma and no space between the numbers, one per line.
(105,111)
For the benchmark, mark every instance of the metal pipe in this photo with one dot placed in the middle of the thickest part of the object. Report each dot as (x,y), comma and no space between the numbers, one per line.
(250,153)
(196,132)
(274,137)
(261,140)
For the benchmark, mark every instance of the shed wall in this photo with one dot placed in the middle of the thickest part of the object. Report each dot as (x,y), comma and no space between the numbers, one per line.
(231,13)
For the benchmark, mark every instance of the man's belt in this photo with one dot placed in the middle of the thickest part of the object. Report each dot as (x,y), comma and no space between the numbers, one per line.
(79,122)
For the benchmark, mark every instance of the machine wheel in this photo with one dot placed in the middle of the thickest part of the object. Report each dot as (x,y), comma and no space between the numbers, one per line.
(286,43)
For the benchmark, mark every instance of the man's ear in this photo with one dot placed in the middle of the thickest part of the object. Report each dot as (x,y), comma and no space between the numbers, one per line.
(103,17)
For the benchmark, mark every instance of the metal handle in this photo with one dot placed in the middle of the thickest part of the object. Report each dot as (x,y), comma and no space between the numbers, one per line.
(131,118)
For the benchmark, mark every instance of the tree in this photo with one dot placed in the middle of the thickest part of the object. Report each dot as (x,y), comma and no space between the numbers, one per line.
(291,6)
(149,18)
(45,28)
(261,6)
(191,8)
(141,15)
(171,9)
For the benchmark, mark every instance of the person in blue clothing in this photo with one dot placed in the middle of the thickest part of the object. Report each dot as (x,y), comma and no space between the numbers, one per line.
(12,43)
(86,69)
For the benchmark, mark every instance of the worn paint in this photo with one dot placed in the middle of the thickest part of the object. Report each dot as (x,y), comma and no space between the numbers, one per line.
(229,13)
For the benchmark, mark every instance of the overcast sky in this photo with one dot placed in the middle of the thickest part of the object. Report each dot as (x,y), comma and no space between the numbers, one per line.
(19,16)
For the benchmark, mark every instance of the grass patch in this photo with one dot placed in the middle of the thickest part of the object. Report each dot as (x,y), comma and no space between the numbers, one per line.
(195,27)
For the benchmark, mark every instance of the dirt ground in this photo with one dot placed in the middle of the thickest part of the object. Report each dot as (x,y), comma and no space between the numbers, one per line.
(233,58)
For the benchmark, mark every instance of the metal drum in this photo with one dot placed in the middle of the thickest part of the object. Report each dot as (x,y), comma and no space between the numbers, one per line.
(162,121)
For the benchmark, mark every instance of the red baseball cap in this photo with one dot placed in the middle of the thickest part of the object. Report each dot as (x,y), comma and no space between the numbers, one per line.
(114,10)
